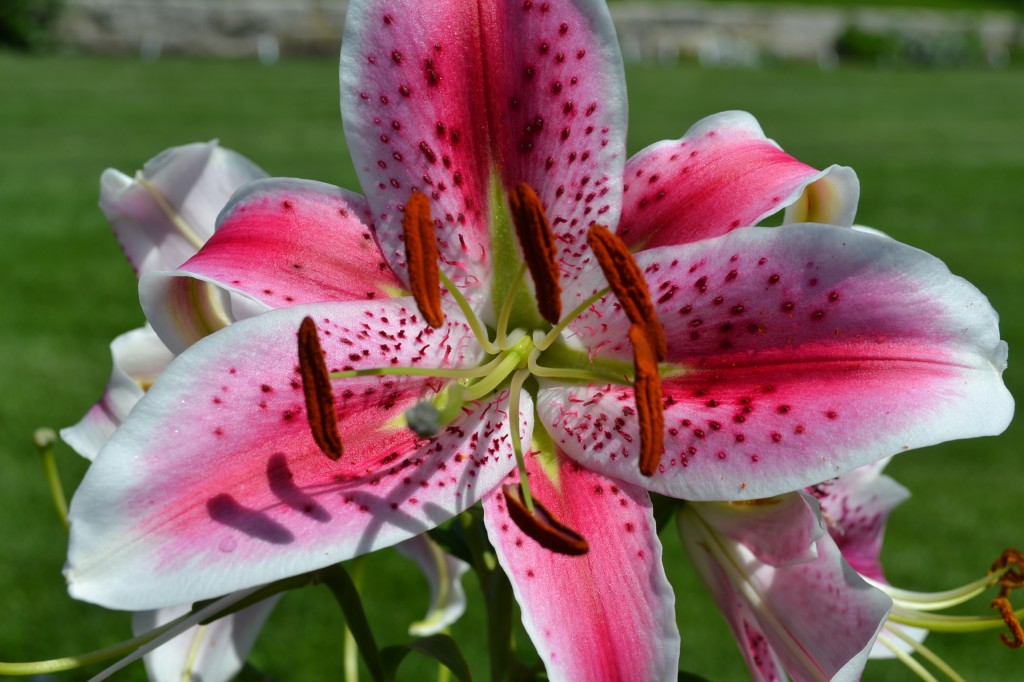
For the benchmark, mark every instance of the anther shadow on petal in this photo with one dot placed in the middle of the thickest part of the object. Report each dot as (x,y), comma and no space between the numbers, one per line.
(282,484)
(226,509)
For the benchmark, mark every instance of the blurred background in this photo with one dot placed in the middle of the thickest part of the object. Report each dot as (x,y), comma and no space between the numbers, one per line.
(924,98)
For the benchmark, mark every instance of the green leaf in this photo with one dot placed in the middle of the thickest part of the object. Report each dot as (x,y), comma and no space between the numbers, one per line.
(337,579)
(294,582)
(441,648)
(664,510)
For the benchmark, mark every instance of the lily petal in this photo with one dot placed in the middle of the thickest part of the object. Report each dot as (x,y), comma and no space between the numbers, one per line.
(442,98)
(797,354)
(164,214)
(216,483)
(138,358)
(723,174)
(210,653)
(778,530)
(606,615)
(444,575)
(816,619)
(857,506)
(279,242)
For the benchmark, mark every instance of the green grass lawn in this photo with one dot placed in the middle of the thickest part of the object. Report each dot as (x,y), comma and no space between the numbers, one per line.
(941,161)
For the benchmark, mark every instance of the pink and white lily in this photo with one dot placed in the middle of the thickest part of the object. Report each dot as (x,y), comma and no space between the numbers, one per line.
(162,217)
(793,603)
(794,354)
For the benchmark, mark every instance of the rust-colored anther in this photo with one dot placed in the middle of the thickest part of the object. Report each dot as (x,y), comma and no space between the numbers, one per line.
(538,242)
(628,284)
(316,386)
(1005,608)
(422,256)
(542,526)
(1011,563)
(650,409)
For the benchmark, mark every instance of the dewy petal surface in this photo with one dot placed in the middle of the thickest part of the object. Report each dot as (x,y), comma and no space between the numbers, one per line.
(138,359)
(723,174)
(606,615)
(215,483)
(445,95)
(816,619)
(796,354)
(279,242)
(168,210)
(204,653)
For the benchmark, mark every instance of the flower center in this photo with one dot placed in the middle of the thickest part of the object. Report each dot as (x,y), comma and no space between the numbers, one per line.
(513,357)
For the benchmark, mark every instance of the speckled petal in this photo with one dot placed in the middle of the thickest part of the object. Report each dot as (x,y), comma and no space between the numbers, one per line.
(204,653)
(165,213)
(557,98)
(606,615)
(445,95)
(723,174)
(214,482)
(796,354)
(279,242)
(138,358)
(816,619)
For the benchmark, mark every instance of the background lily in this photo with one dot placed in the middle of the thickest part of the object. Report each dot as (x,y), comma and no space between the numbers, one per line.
(825,348)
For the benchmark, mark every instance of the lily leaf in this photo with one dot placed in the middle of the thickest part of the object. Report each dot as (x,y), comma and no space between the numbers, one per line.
(344,590)
(441,648)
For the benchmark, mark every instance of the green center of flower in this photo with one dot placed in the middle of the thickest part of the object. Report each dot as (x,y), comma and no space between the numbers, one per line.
(515,354)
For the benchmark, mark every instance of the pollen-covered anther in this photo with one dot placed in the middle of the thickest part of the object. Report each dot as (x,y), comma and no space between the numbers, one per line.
(628,284)
(421,254)
(541,525)
(538,242)
(650,409)
(316,387)
(1005,608)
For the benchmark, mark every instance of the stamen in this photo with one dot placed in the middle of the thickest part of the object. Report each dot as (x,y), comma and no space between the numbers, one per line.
(649,408)
(542,526)
(422,256)
(628,284)
(316,386)
(539,252)
(1010,565)
(1002,604)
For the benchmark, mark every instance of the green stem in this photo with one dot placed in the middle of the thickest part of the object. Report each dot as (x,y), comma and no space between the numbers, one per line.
(515,390)
(906,659)
(44,439)
(556,331)
(925,653)
(940,623)
(506,307)
(454,373)
(474,321)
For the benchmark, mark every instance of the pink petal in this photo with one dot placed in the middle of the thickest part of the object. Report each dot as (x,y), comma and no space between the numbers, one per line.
(138,357)
(778,531)
(816,619)
(214,482)
(191,183)
(800,353)
(279,242)
(607,615)
(207,653)
(557,106)
(723,174)
(415,118)
(439,96)
(443,573)
(857,506)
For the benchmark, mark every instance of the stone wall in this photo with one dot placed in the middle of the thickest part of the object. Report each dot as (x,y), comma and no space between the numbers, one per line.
(711,32)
